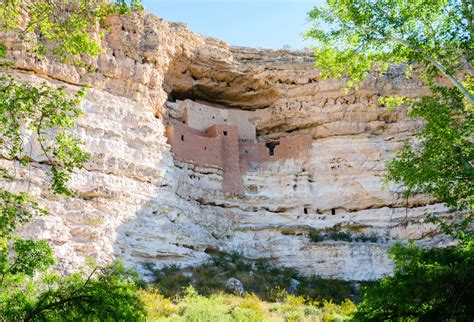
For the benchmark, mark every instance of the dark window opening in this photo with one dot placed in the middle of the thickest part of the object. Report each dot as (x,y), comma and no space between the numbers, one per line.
(182,137)
(246,151)
(225,133)
(184,122)
(225,120)
(205,148)
(271,146)
(305,210)
(333,211)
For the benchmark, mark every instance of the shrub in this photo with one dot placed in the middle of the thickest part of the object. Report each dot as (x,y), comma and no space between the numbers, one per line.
(157,305)
(372,237)
(293,307)
(347,308)
(315,236)
(439,284)
(197,308)
(248,309)
(339,235)
(260,277)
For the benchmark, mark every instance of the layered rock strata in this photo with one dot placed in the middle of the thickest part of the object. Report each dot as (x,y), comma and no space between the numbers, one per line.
(141,200)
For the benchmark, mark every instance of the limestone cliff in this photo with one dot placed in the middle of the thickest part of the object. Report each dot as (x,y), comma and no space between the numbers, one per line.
(143,200)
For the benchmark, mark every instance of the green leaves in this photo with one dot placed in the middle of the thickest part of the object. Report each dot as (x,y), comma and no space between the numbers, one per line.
(66,29)
(428,285)
(441,162)
(30,256)
(45,114)
(103,294)
(357,37)
(365,35)
(16,209)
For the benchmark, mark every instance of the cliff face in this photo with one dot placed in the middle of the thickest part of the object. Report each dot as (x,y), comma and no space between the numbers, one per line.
(301,154)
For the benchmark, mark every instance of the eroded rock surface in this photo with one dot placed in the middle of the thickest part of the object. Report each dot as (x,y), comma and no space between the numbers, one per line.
(138,202)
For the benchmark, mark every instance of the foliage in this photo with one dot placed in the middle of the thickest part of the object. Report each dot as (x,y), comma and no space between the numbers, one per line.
(157,305)
(197,308)
(340,235)
(428,285)
(27,290)
(354,37)
(358,37)
(66,29)
(441,161)
(191,306)
(16,209)
(317,236)
(45,116)
(258,277)
(106,294)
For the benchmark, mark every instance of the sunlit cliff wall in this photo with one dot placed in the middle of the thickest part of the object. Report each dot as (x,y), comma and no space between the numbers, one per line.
(143,202)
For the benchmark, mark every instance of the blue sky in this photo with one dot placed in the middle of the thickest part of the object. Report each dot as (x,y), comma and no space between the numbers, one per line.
(252,23)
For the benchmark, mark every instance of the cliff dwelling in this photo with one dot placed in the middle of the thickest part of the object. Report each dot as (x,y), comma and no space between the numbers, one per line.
(226,138)
(253,152)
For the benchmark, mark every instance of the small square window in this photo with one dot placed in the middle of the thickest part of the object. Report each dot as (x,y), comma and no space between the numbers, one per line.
(225,133)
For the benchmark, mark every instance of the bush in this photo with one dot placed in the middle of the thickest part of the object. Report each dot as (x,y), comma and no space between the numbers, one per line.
(249,309)
(372,237)
(192,306)
(258,277)
(316,236)
(197,308)
(339,235)
(439,284)
(157,305)
(293,307)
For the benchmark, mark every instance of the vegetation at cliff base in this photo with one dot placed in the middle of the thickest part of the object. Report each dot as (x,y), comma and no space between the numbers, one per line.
(191,306)
(258,277)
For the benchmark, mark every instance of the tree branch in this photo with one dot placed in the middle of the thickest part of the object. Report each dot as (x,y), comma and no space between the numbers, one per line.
(430,59)
(438,65)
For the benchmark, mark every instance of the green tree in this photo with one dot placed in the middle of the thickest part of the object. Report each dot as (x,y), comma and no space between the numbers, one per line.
(357,37)
(29,290)
(441,162)
(428,285)
(66,29)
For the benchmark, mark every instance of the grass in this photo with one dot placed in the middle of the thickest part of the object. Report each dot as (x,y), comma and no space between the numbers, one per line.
(194,307)
(268,282)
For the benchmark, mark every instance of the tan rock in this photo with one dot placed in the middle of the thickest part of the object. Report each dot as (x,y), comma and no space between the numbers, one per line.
(136,202)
